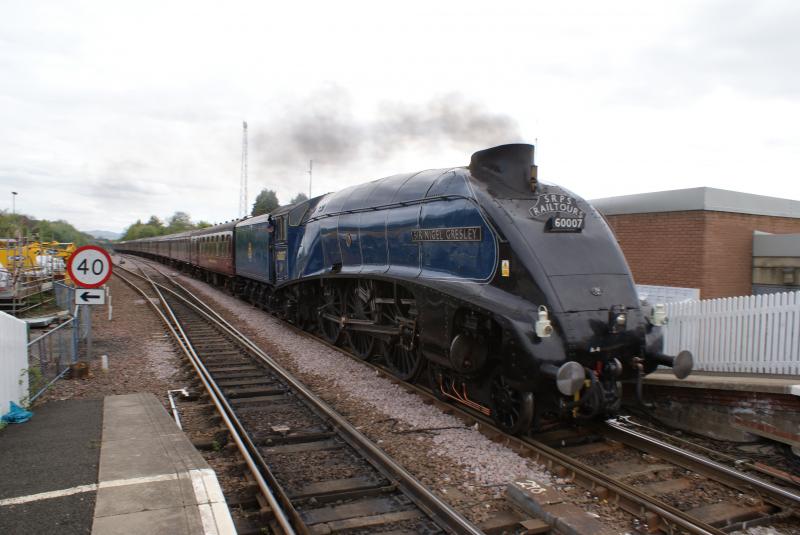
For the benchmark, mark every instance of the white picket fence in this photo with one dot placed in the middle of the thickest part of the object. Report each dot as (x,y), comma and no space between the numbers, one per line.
(13,361)
(750,334)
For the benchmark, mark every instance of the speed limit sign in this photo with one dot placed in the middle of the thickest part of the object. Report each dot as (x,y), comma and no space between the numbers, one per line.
(89,266)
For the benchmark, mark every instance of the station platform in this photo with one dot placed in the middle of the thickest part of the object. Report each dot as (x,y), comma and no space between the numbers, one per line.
(738,407)
(739,382)
(119,465)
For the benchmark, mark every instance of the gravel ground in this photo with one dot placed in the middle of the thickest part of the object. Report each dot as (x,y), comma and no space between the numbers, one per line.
(488,463)
(140,353)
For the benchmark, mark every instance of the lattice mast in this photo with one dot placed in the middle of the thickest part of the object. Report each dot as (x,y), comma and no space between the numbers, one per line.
(243,211)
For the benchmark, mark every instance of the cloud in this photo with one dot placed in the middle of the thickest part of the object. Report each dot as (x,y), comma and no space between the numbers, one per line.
(746,47)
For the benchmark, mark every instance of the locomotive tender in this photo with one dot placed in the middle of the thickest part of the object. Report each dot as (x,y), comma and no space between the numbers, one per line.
(511,294)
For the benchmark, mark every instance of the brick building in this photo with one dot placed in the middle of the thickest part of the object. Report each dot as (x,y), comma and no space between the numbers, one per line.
(696,238)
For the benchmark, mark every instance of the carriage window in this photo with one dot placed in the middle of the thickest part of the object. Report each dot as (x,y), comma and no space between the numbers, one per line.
(297,213)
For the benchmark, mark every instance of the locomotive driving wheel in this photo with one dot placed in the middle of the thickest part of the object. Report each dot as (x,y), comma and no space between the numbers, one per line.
(331,313)
(360,303)
(404,358)
(402,352)
(512,409)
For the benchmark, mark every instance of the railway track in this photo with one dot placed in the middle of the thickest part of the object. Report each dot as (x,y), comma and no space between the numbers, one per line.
(577,454)
(315,472)
(778,468)
(680,489)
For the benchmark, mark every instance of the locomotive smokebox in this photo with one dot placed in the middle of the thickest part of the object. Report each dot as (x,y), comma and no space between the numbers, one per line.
(506,169)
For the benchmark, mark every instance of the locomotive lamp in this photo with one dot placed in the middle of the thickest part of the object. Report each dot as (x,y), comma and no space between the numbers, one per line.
(543,326)
(617,318)
(658,316)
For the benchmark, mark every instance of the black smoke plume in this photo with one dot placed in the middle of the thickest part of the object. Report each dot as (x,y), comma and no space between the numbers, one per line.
(325,129)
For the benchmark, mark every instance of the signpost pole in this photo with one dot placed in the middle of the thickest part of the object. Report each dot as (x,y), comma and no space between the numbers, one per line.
(88,312)
(89,267)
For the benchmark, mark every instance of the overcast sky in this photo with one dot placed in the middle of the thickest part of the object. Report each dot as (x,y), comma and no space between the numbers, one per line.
(113,111)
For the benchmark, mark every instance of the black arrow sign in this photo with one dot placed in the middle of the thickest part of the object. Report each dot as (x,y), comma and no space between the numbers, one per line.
(85,296)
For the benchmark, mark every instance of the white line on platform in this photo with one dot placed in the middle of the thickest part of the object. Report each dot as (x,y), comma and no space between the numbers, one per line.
(214,513)
(86,488)
(794,390)
(48,495)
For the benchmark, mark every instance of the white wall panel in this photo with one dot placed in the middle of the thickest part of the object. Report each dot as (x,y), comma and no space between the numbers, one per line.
(13,361)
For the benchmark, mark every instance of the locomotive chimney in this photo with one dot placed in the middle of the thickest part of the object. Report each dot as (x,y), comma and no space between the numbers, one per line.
(506,169)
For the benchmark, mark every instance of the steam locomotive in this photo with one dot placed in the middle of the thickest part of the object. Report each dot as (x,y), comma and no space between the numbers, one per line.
(510,294)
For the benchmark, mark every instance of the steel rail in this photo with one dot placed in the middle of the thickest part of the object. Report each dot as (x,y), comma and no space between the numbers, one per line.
(188,350)
(746,464)
(694,460)
(243,437)
(633,498)
(441,512)
(628,497)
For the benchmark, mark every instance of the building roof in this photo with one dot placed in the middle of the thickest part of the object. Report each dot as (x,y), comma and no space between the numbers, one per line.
(765,244)
(712,199)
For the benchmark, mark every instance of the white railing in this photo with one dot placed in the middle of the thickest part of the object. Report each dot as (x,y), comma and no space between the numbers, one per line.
(13,361)
(750,334)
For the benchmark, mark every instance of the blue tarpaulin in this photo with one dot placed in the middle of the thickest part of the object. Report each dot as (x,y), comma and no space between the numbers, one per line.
(17,415)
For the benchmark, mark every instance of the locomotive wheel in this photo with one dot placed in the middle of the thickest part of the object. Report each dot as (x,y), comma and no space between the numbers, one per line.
(360,304)
(405,362)
(512,410)
(402,353)
(329,315)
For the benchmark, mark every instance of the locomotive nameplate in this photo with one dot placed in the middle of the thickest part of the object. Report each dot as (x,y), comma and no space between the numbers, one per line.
(447,234)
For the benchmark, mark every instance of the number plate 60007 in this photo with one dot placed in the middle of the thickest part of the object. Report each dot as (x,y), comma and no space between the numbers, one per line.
(564,224)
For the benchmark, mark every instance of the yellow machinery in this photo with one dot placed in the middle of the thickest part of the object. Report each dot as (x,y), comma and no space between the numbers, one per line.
(26,265)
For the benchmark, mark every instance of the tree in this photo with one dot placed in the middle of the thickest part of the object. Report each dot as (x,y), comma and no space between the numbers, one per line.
(154,221)
(300,197)
(153,227)
(179,222)
(266,202)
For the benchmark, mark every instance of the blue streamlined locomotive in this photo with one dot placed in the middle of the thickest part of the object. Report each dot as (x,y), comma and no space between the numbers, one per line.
(511,294)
